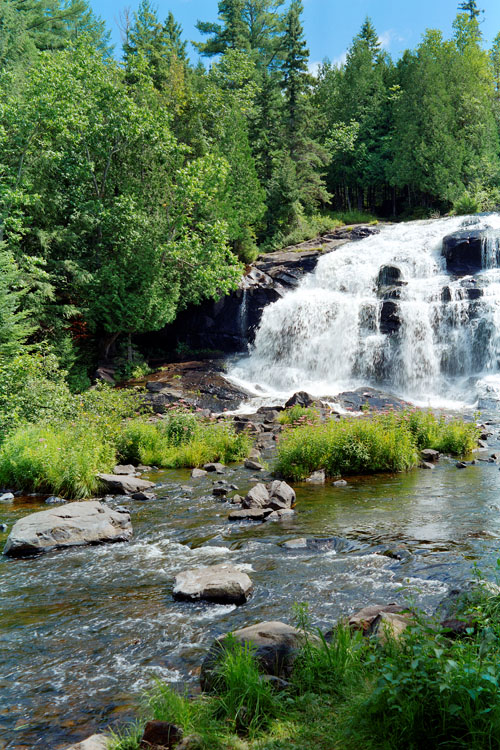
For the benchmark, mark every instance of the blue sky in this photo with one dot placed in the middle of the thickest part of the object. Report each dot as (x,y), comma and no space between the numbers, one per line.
(329,24)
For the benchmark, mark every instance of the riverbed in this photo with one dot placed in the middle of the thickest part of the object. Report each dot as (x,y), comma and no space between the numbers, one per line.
(84,631)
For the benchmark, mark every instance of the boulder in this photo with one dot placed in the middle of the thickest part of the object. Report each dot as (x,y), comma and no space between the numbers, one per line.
(301,398)
(124,470)
(257,497)
(124,484)
(160,735)
(55,500)
(220,491)
(144,496)
(279,514)
(275,645)
(318,477)
(365,618)
(191,742)
(250,463)
(430,456)
(426,465)
(86,522)
(336,543)
(389,625)
(7,497)
(461,465)
(390,320)
(463,252)
(223,584)
(282,491)
(250,514)
(198,473)
(214,467)
(96,742)
(339,483)
(389,276)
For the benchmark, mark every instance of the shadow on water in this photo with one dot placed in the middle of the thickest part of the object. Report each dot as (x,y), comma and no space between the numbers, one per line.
(83,630)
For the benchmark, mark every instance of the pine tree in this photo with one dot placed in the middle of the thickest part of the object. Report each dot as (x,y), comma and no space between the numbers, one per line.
(370,36)
(470,7)
(230,33)
(173,35)
(14,325)
(294,67)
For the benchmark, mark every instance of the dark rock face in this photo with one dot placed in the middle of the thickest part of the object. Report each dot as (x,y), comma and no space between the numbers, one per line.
(389,276)
(160,735)
(371,397)
(390,320)
(301,398)
(464,252)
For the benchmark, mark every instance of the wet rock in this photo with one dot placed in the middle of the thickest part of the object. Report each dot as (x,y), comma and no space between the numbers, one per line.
(125,485)
(236,499)
(55,500)
(366,617)
(160,735)
(144,496)
(7,497)
(257,497)
(275,646)
(218,468)
(223,584)
(426,465)
(318,477)
(430,456)
(3,527)
(337,543)
(389,276)
(87,522)
(301,398)
(278,515)
(374,399)
(143,469)
(390,319)
(124,470)
(463,251)
(96,742)
(254,465)
(482,444)
(250,514)
(198,473)
(389,625)
(461,465)
(282,491)
(339,483)
(220,491)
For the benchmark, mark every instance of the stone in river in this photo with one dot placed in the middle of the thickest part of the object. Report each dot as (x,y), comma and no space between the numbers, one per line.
(55,500)
(461,465)
(144,496)
(125,485)
(339,483)
(254,465)
(220,491)
(218,468)
(198,473)
(96,742)
(161,735)
(124,470)
(430,455)
(250,514)
(426,465)
(7,497)
(282,491)
(257,497)
(301,398)
(223,584)
(318,477)
(86,522)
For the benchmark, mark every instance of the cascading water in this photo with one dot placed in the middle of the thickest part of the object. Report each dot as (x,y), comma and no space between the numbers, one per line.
(386,311)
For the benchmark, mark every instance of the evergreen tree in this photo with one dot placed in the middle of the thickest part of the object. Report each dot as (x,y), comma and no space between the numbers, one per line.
(173,36)
(470,7)
(230,33)
(14,324)
(370,36)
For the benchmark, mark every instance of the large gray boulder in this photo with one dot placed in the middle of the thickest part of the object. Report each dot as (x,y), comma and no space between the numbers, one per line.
(86,522)
(275,646)
(223,584)
(96,742)
(283,492)
(257,497)
(124,484)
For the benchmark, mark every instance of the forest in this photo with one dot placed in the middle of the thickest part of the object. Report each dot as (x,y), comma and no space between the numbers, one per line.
(133,187)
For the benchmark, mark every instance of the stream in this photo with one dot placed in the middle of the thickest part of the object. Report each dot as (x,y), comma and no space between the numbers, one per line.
(84,630)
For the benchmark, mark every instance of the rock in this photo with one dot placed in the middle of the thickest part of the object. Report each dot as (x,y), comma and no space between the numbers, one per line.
(257,497)
(124,484)
(191,742)
(96,742)
(389,276)
(301,398)
(318,477)
(124,470)
(456,628)
(366,617)
(254,465)
(390,319)
(3,527)
(430,456)
(339,483)
(250,514)
(461,465)
(55,500)
(220,491)
(389,625)
(143,469)
(463,251)
(144,496)
(218,468)
(337,543)
(160,735)
(87,522)
(275,645)
(236,499)
(223,584)
(278,515)
(282,491)
(482,444)
(198,473)
(426,465)
(7,497)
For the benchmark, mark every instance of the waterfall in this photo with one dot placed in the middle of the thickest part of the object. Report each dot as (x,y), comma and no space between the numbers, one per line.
(386,311)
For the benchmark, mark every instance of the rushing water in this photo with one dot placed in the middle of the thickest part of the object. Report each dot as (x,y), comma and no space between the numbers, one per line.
(328,335)
(82,630)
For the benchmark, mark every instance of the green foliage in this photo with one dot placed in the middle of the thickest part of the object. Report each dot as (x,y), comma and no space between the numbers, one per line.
(297,415)
(14,325)
(181,440)
(368,445)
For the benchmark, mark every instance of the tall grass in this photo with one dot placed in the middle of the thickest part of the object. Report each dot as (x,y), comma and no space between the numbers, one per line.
(370,444)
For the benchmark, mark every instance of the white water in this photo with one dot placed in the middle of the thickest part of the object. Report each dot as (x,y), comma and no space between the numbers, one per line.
(325,336)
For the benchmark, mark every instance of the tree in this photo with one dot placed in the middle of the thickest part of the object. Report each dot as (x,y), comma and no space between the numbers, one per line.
(470,7)
(230,33)
(14,323)
(369,35)
(173,35)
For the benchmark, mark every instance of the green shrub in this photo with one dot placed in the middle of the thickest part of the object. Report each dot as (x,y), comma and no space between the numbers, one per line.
(62,459)
(368,445)
(354,217)
(296,415)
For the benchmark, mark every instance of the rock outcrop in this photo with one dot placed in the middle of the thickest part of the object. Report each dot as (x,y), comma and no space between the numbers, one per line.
(223,584)
(86,522)
(124,484)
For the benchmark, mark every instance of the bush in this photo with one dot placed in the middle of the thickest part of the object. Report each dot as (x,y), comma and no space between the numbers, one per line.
(369,445)
(181,440)
(297,415)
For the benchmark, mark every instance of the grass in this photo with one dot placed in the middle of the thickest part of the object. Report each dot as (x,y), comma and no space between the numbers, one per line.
(297,415)
(422,690)
(370,444)
(311,226)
